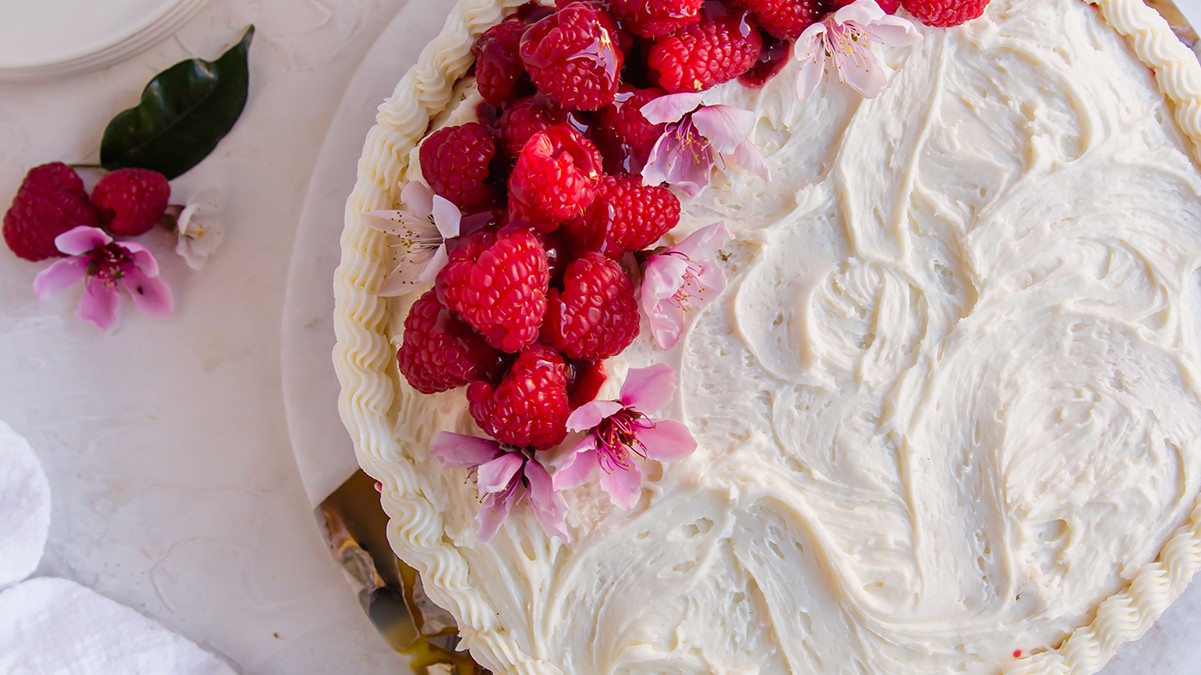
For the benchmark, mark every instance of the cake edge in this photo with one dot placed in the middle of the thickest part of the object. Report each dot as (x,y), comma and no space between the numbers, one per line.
(363,352)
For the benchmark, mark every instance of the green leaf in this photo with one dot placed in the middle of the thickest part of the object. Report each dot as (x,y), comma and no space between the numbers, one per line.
(184,112)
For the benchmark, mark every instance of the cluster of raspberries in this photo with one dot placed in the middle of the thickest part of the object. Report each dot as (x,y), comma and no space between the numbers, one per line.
(52,200)
(539,289)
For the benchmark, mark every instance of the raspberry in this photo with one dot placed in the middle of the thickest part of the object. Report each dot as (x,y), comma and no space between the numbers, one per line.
(623,134)
(573,56)
(656,18)
(584,381)
(554,179)
(526,118)
(498,69)
(454,162)
(50,201)
(529,407)
(631,214)
(440,351)
(716,50)
(595,316)
(945,13)
(498,285)
(572,240)
(785,19)
(131,201)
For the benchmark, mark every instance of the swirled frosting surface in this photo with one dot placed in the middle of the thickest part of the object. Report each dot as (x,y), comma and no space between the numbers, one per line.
(947,405)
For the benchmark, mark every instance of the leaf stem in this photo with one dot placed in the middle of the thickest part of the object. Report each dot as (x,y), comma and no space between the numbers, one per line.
(85,166)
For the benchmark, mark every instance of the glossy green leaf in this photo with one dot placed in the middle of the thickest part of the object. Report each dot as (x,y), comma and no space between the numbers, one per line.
(184,112)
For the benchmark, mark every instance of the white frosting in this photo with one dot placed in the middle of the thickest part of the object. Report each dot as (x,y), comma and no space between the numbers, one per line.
(946,409)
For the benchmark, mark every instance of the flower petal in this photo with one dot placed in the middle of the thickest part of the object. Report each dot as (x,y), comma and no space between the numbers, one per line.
(671,108)
(724,126)
(862,73)
(419,198)
(408,227)
(703,244)
(667,440)
(549,508)
(649,389)
(707,285)
(463,451)
(429,271)
(495,475)
(80,240)
(579,466)
(397,283)
(196,248)
(150,294)
(446,217)
(748,158)
(894,31)
(494,510)
(59,276)
(589,415)
(810,53)
(623,485)
(862,12)
(663,277)
(142,257)
(98,304)
(681,157)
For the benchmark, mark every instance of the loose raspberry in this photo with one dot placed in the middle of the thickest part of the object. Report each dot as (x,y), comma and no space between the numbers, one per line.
(50,201)
(498,69)
(131,201)
(440,351)
(595,316)
(945,13)
(656,18)
(573,56)
(529,407)
(498,285)
(631,214)
(785,19)
(526,118)
(554,179)
(716,50)
(623,134)
(455,163)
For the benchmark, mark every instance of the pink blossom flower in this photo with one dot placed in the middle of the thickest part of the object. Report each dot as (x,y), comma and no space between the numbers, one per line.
(105,267)
(845,38)
(682,278)
(505,477)
(697,139)
(619,431)
(422,228)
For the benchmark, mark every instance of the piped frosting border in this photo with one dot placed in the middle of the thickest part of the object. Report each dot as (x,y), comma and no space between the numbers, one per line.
(363,356)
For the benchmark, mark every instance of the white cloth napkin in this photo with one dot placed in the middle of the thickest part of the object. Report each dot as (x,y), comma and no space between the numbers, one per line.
(24,508)
(55,626)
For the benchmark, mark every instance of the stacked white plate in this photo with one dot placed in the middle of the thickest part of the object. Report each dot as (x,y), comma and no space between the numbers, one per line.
(41,39)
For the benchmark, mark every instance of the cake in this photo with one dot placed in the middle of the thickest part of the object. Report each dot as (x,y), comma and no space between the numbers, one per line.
(945,410)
